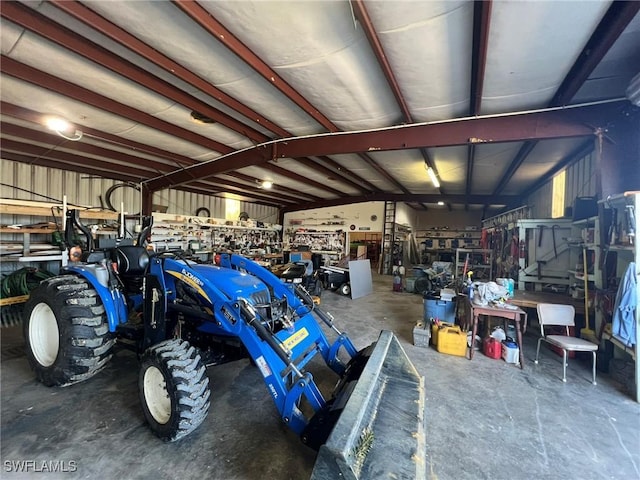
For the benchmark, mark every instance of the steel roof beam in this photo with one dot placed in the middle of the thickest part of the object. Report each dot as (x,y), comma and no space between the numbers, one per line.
(606,33)
(44,80)
(41,25)
(419,198)
(561,123)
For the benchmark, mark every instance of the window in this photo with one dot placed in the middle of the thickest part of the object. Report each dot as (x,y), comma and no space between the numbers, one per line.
(557,201)
(231,209)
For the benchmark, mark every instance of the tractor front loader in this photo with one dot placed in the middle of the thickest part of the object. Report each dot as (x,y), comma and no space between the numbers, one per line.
(181,316)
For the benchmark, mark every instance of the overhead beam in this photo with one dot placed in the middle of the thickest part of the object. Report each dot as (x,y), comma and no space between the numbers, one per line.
(124,38)
(42,79)
(416,198)
(481,23)
(207,21)
(30,19)
(614,22)
(549,124)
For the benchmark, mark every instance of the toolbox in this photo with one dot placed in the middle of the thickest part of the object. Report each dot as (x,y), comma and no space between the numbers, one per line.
(421,334)
(452,340)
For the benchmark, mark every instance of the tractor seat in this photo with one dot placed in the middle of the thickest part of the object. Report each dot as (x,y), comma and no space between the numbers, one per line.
(131,260)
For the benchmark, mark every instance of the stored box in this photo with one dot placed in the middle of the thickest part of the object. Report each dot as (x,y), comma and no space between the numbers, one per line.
(510,352)
(434,307)
(492,348)
(452,340)
(421,334)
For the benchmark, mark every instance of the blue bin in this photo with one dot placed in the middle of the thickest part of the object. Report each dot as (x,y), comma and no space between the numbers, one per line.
(440,309)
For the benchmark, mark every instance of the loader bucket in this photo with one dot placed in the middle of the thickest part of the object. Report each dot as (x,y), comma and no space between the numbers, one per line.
(380,433)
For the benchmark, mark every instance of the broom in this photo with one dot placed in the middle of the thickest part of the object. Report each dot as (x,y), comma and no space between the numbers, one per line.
(586,332)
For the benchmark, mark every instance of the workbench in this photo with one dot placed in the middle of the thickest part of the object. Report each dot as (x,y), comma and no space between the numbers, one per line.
(531,299)
(518,316)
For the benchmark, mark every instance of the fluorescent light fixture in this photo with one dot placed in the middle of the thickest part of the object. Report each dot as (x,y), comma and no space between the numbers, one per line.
(432,176)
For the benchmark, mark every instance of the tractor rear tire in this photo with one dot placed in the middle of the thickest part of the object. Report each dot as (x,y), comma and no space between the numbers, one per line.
(174,389)
(66,331)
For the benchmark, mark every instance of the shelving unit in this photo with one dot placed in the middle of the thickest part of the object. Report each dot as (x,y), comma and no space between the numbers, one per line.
(318,241)
(205,235)
(440,243)
(34,242)
(623,229)
(479,261)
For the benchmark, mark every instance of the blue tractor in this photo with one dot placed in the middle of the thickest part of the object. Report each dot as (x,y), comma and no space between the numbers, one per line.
(181,316)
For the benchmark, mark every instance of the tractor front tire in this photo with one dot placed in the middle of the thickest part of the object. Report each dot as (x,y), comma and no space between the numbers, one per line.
(66,331)
(174,389)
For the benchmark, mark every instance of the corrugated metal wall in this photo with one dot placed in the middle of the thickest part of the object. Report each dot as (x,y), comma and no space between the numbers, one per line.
(580,182)
(28,182)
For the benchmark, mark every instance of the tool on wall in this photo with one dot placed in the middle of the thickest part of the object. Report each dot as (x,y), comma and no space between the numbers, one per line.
(586,333)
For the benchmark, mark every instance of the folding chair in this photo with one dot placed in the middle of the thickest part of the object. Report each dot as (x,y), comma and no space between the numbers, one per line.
(551,314)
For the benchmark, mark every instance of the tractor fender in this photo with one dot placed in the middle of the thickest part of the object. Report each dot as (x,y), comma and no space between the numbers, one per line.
(114,302)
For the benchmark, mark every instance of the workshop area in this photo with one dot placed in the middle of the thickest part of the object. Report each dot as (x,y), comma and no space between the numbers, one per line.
(320,240)
(484,418)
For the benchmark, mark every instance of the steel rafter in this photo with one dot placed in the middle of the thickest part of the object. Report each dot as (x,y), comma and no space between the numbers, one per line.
(618,16)
(560,123)
(207,21)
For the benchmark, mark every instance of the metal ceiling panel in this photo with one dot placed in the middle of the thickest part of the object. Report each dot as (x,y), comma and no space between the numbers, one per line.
(435,81)
(532,46)
(328,45)
(614,73)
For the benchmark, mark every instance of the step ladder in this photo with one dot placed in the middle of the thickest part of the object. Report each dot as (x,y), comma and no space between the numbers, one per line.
(388,238)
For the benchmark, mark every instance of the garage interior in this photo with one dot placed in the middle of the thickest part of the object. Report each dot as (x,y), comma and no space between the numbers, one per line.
(412,159)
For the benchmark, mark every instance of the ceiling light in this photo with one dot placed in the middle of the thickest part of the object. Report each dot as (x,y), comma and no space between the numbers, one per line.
(63,128)
(266,184)
(201,118)
(432,176)
(440,203)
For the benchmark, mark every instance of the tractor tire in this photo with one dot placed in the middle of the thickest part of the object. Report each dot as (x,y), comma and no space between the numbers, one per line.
(174,389)
(66,331)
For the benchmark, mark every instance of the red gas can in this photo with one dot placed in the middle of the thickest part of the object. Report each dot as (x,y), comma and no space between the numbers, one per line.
(492,347)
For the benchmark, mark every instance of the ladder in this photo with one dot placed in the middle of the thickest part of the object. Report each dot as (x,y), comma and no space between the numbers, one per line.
(388,238)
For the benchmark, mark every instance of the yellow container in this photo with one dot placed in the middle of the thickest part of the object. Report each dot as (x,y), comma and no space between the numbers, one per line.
(435,329)
(453,341)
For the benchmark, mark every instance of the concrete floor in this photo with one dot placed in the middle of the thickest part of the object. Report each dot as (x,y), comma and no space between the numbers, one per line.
(485,418)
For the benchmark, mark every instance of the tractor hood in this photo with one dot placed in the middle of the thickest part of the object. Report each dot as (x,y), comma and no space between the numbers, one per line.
(232,283)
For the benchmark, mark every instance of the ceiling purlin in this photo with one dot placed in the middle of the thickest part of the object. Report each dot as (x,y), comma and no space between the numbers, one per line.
(362,15)
(36,118)
(62,165)
(299,178)
(85,148)
(561,123)
(207,21)
(226,37)
(481,24)
(31,20)
(276,188)
(604,36)
(124,38)
(127,40)
(38,151)
(329,173)
(44,80)
(159,167)
(345,172)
